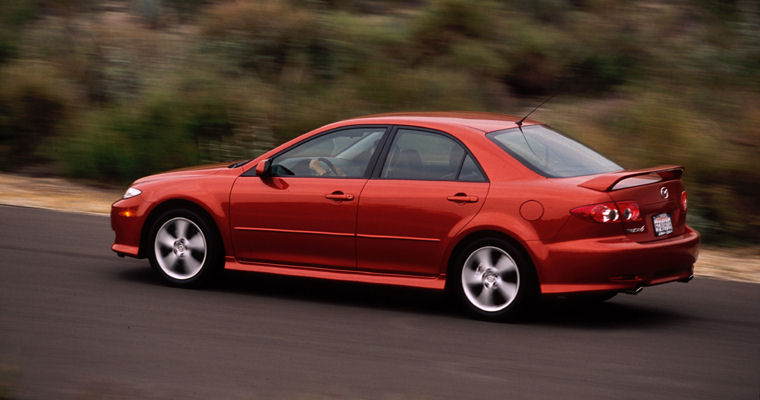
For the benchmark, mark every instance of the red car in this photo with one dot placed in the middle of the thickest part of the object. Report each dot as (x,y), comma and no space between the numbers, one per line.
(494,209)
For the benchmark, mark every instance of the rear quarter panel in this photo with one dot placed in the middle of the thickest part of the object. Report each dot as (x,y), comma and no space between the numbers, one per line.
(511,209)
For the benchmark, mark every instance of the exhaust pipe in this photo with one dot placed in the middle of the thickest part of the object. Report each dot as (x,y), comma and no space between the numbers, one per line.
(687,280)
(633,291)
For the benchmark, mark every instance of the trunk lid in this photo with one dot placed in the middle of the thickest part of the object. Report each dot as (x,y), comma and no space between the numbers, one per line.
(657,191)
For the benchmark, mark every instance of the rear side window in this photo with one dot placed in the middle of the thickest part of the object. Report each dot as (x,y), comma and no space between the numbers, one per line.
(425,155)
(470,171)
(550,153)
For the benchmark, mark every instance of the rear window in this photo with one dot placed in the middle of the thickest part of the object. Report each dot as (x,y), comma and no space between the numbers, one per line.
(550,153)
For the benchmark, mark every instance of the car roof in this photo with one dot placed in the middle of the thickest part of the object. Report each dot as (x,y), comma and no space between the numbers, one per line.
(482,121)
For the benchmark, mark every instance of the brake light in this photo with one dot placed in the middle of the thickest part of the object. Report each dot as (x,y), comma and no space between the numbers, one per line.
(604,212)
(629,211)
(684,201)
(610,212)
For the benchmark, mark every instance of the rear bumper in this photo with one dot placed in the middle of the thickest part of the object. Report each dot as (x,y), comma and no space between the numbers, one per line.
(614,263)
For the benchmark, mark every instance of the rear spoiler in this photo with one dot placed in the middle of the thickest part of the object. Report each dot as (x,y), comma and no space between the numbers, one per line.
(607,182)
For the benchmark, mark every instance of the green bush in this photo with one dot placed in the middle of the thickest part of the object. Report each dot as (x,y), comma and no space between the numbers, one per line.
(352,43)
(7,45)
(446,22)
(34,105)
(165,132)
(121,145)
(263,37)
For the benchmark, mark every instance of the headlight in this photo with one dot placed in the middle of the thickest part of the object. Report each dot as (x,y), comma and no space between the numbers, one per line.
(131,192)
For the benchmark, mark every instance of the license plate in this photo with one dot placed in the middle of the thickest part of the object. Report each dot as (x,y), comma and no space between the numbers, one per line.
(662,224)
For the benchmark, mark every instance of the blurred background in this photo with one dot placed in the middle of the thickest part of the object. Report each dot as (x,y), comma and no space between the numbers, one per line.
(109,91)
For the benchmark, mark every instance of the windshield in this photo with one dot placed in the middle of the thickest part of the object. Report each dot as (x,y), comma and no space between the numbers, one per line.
(550,153)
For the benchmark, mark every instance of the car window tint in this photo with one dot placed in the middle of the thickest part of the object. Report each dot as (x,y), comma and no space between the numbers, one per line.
(345,153)
(423,155)
(550,153)
(470,171)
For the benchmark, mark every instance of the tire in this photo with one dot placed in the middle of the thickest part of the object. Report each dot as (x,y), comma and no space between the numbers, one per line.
(185,249)
(494,279)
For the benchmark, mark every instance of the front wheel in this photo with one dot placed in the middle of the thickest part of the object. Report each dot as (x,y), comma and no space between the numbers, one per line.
(495,279)
(185,250)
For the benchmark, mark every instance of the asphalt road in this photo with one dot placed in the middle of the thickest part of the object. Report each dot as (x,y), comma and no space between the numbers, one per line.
(76,322)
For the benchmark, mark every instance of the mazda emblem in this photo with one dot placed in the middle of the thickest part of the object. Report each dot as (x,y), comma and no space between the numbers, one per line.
(664,192)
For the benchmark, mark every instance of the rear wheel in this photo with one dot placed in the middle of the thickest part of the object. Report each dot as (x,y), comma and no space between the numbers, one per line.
(495,279)
(185,249)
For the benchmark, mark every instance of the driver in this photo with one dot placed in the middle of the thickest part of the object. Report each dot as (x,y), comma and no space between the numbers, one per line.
(316,165)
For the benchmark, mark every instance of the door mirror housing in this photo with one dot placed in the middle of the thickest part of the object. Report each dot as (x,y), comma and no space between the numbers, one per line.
(264,168)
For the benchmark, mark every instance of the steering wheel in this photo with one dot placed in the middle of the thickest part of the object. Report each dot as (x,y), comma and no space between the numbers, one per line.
(330,165)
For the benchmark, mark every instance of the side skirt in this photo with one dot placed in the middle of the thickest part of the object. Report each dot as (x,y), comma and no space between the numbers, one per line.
(433,282)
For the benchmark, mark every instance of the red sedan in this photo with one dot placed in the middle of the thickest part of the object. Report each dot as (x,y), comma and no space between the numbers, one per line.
(494,209)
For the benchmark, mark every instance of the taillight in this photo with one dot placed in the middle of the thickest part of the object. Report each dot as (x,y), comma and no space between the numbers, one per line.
(684,201)
(629,211)
(604,212)
(610,212)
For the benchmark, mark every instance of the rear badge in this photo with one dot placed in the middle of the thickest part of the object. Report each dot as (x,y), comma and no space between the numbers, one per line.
(636,230)
(664,192)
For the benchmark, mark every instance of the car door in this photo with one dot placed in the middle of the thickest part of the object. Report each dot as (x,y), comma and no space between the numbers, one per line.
(428,188)
(304,214)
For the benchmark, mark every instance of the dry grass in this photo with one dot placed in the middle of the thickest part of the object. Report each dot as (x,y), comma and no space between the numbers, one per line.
(55,193)
(735,264)
(60,194)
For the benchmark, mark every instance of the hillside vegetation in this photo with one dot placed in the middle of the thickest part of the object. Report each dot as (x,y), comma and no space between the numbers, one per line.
(112,90)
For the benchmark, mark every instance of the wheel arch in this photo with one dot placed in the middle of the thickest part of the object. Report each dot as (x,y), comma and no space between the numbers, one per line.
(173,204)
(473,236)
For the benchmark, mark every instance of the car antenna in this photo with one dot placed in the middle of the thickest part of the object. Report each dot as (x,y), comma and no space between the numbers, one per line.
(520,122)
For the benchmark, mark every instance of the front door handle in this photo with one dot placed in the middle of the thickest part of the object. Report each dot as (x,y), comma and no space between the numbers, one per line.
(462,198)
(339,196)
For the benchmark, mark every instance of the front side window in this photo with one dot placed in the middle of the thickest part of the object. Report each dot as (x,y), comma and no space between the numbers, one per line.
(345,153)
(550,153)
(422,155)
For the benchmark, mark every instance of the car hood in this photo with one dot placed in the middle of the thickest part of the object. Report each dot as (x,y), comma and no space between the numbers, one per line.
(200,170)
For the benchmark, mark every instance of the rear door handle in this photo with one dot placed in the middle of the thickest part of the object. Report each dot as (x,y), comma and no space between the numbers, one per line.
(339,196)
(462,198)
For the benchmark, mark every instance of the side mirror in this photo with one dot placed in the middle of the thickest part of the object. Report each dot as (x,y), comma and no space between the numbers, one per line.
(263,168)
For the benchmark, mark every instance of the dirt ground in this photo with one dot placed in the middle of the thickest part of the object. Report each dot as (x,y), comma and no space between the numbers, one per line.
(60,194)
